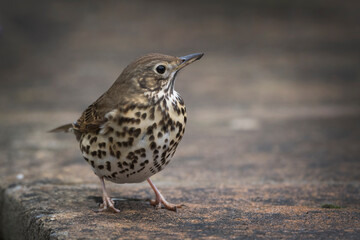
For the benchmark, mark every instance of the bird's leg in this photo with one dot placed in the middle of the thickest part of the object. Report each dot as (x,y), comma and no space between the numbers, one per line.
(161,200)
(107,202)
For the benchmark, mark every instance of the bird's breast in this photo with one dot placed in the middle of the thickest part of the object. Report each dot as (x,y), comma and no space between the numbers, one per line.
(136,142)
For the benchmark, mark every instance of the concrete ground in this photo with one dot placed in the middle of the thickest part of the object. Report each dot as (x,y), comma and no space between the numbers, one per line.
(272,144)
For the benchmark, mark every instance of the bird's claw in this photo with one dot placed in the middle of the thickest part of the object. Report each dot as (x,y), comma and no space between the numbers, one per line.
(108,204)
(169,206)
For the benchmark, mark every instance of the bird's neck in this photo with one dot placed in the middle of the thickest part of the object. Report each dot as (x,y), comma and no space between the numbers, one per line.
(167,94)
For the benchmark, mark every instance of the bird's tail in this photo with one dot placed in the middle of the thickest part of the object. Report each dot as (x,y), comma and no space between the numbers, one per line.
(64,128)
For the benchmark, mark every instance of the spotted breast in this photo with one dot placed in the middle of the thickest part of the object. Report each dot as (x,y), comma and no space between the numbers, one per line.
(136,142)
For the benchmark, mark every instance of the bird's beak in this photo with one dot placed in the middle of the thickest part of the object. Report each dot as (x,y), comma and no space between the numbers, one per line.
(186,60)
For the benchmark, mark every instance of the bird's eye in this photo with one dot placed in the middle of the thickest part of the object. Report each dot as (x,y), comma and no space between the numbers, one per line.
(160,69)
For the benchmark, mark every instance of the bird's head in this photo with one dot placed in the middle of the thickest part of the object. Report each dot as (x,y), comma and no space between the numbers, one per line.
(154,74)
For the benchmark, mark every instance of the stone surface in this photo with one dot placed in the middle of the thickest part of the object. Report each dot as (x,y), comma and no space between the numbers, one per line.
(271,149)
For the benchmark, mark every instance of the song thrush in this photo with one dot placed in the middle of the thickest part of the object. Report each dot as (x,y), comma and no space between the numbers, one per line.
(131,132)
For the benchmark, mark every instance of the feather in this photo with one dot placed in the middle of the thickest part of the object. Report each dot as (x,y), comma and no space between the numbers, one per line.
(64,128)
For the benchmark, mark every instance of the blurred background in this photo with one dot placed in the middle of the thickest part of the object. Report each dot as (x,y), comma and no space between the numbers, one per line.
(273,128)
(275,98)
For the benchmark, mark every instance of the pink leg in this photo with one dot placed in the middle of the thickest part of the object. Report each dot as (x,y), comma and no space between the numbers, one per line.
(161,200)
(107,202)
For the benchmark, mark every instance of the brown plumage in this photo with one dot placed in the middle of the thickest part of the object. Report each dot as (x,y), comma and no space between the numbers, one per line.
(132,131)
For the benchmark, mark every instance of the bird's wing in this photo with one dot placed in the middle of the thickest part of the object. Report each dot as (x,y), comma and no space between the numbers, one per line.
(93,117)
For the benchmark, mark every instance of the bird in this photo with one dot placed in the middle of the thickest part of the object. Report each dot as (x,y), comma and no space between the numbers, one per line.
(131,132)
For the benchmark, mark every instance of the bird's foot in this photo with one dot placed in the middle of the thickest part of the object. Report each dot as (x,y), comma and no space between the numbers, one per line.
(169,206)
(108,204)
(161,200)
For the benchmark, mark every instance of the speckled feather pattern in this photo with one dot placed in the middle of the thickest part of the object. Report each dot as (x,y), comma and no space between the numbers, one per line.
(136,141)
